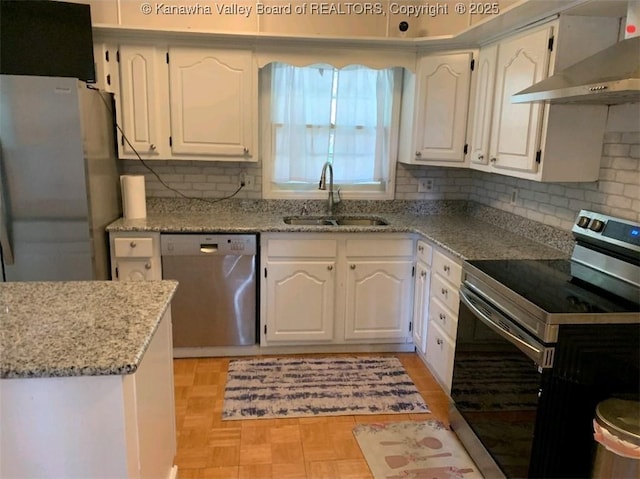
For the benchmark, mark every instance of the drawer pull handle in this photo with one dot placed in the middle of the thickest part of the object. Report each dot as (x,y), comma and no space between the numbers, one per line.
(446,269)
(421,248)
(423,273)
(152,147)
(330,267)
(439,341)
(445,292)
(133,244)
(147,266)
(352,266)
(418,154)
(442,316)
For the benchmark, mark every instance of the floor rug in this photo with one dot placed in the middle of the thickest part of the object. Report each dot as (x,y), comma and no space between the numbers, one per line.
(299,387)
(414,450)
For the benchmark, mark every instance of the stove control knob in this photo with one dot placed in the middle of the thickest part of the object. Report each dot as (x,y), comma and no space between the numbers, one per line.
(597,226)
(583,221)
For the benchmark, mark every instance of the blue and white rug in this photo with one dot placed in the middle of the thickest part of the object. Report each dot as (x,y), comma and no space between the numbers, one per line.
(300,387)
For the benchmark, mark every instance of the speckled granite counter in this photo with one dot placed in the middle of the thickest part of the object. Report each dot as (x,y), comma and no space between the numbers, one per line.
(87,328)
(446,224)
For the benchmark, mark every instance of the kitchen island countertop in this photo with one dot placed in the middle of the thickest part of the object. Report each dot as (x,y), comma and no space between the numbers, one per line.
(78,328)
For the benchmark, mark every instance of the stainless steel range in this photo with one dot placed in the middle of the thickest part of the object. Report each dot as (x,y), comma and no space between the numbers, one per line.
(539,344)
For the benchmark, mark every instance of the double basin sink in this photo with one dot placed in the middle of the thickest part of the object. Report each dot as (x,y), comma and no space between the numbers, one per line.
(335,221)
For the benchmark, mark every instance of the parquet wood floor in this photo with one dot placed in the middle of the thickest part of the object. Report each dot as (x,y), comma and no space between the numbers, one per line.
(296,448)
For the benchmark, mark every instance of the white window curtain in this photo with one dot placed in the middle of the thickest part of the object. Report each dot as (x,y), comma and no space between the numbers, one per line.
(319,114)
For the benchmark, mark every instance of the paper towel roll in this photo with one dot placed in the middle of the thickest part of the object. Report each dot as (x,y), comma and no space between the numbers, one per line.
(134,205)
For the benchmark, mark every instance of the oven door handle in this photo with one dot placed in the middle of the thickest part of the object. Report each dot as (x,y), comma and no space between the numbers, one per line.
(543,356)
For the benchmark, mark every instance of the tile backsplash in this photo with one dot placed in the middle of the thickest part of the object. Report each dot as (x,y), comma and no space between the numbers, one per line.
(617,191)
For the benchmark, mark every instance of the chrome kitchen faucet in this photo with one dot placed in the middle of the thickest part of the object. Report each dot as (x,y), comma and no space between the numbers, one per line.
(322,185)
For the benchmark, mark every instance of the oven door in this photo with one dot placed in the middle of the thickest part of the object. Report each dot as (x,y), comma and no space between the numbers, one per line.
(497,382)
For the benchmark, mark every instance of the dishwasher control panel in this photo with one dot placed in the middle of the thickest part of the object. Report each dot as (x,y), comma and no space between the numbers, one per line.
(187,244)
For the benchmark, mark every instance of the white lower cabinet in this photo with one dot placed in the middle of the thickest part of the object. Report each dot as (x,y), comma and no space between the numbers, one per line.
(440,350)
(440,325)
(335,288)
(378,295)
(300,300)
(421,289)
(135,256)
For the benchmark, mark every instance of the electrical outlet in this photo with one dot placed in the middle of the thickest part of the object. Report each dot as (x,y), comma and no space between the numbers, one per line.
(425,184)
(245,179)
(514,196)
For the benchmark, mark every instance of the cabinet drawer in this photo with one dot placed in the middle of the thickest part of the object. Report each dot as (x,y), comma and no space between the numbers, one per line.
(443,317)
(306,248)
(380,247)
(440,351)
(423,252)
(445,292)
(447,267)
(132,247)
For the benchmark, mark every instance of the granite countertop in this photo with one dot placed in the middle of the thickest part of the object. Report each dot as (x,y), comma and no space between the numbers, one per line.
(78,328)
(463,235)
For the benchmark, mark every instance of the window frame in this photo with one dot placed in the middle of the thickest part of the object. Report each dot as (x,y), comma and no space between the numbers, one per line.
(272,190)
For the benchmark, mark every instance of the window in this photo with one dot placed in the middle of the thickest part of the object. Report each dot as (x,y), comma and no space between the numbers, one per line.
(319,113)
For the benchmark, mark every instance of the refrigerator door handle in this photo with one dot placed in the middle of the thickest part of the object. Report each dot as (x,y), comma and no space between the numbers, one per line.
(5,241)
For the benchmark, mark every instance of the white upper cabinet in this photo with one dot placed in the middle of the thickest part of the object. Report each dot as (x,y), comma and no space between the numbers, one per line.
(435,110)
(141,106)
(185,103)
(539,141)
(485,81)
(212,102)
(522,61)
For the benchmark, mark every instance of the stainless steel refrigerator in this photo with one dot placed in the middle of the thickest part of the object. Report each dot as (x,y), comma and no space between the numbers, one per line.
(59,182)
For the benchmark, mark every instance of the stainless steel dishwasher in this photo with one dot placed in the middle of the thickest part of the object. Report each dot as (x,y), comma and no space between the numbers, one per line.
(215,304)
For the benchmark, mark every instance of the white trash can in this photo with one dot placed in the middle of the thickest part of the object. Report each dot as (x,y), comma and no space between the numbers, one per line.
(617,432)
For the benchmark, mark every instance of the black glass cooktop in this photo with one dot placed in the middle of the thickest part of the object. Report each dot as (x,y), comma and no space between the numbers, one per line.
(550,286)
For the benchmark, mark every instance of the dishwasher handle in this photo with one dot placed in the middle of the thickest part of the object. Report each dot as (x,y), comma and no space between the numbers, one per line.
(209,248)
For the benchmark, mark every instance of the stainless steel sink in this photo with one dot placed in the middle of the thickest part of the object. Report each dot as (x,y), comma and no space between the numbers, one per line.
(335,221)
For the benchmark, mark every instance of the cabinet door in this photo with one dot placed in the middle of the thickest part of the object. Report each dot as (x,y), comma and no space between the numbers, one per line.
(142,103)
(300,300)
(485,84)
(440,351)
(211,102)
(516,127)
(378,300)
(421,307)
(443,100)
(136,269)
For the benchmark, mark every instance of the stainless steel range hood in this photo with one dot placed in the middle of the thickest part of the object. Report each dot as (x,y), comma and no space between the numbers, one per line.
(609,77)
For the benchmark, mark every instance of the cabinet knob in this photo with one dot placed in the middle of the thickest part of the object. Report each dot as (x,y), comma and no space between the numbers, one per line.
(423,273)
(439,341)
(147,266)
(352,266)
(442,317)
(133,244)
(246,151)
(446,268)
(421,248)
(444,292)
(481,157)
(418,153)
(330,267)
(493,160)
(152,146)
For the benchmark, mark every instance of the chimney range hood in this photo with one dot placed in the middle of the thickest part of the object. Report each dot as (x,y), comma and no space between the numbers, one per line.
(610,77)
